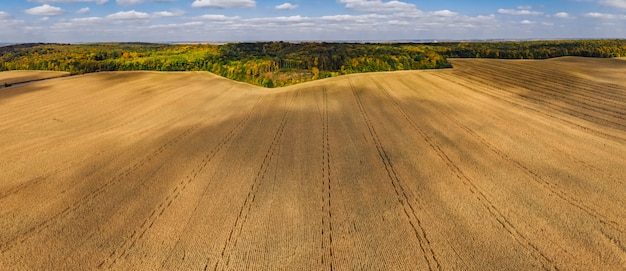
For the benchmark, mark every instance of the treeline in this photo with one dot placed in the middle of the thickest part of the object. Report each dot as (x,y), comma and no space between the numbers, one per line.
(273,64)
(267,64)
(86,58)
(533,49)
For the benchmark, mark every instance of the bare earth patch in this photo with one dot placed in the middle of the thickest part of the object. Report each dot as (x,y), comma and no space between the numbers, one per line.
(492,165)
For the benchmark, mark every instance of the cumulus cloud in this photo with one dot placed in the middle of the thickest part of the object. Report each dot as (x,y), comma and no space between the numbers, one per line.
(604,16)
(286,6)
(176,26)
(378,6)
(519,12)
(128,2)
(526,22)
(217,17)
(83,10)
(172,13)
(86,21)
(278,20)
(4,15)
(562,15)
(223,4)
(614,3)
(45,10)
(128,15)
(99,2)
(368,18)
(445,13)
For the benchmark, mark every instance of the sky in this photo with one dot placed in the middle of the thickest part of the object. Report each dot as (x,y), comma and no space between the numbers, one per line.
(74,21)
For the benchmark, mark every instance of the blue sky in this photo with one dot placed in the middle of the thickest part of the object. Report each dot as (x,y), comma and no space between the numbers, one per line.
(293,20)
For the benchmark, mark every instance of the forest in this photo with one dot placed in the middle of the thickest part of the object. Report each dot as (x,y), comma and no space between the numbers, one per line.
(275,64)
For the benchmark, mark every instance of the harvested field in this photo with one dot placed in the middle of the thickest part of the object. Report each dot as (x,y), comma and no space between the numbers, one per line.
(492,165)
(14,77)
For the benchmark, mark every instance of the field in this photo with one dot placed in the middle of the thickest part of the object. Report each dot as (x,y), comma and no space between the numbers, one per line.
(492,165)
(14,77)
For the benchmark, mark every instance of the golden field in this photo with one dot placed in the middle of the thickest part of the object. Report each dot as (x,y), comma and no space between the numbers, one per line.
(14,77)
(492,165)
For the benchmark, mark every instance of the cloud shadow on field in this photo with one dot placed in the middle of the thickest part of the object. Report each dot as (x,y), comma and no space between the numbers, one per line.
(14,91)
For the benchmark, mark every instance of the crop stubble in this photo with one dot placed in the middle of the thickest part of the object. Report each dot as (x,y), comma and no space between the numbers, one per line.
(491,165)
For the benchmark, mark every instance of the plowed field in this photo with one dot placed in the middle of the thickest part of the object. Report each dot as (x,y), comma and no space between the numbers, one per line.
(492,165)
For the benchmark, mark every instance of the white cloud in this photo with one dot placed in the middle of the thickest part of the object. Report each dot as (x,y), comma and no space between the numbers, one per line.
(278,20)
(562,15)
(445,13)
(87,20)
(286,6)
(128,2)
(217,17)
(378,6)
(605,16)
(173,13)
(128,15)
(45,10)
(223,4)
(175,26)
(526,22)
(600,15)
(519,12)
(4,15)
(99,2)
(614,3)
(368,18)
(83,10)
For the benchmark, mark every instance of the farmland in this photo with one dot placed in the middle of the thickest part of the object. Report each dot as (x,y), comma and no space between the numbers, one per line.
(13,77)
(491,165)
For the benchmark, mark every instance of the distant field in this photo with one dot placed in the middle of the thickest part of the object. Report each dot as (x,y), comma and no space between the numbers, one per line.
(14,77)
(492,165)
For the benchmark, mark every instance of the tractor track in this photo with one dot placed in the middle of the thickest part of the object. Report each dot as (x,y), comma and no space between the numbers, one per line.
(480,195)
(237,228)
(401,194)
(128,244)
(542,182)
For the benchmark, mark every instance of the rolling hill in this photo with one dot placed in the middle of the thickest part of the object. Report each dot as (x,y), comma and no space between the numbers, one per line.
(492,165)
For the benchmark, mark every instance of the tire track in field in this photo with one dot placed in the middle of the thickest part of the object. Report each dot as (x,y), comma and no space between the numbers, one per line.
(498,216)
(601,90)
(39,179)
(244,211)
(327,222)
(129,243)
(86,199)
(618,247)
(571,111)
(572,86)
(608,108)
(401,194)
(551,187)
(457,80)
(542,142)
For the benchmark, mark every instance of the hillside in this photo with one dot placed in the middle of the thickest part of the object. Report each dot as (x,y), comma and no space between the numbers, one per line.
(492,165)
(8,78)
(278,64)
